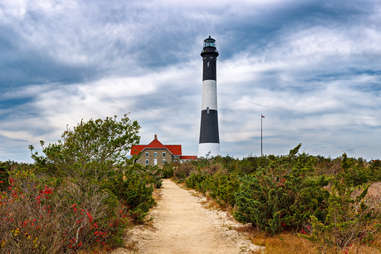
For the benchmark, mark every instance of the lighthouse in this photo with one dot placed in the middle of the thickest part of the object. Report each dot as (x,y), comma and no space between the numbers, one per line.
(209,143)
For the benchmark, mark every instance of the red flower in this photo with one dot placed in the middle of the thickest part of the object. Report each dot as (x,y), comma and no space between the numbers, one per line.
(303,231)
(89,216)
(47,190)
(1,181)
(38,199)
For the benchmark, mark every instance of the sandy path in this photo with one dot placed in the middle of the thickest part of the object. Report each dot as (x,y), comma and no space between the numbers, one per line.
(181,225)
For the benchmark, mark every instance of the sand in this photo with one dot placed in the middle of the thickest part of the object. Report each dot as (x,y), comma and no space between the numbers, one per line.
(182,225)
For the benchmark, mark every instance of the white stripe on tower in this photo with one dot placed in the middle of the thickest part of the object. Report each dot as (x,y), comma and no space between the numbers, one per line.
(209,94)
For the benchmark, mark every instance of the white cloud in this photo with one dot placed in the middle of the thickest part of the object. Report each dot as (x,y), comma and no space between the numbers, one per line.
(20,135)
(309,79)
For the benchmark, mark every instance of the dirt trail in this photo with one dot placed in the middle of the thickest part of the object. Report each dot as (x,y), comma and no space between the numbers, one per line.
(181,225)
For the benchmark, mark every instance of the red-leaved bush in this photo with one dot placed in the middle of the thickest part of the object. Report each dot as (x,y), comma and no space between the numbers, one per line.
(37,218)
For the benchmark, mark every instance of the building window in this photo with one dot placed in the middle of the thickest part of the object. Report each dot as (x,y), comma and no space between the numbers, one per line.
(155,154)
(164,154)
(147,162)
(147,154)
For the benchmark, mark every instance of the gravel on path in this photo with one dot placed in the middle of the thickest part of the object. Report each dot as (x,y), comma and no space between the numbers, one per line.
(181,225)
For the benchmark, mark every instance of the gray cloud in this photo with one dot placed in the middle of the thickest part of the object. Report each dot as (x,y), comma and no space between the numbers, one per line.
(311,66)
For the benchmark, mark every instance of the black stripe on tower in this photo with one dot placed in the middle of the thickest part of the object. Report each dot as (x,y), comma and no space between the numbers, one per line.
(209,68)
(209,126)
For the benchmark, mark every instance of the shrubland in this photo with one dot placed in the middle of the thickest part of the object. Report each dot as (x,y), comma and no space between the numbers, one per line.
(82,191)
(321,199)
(79,194)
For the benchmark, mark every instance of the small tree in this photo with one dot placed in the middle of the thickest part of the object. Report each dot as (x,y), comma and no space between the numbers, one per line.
(95,144)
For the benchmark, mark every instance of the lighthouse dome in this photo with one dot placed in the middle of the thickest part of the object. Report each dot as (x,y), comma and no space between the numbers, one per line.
(209,42)
(209,47)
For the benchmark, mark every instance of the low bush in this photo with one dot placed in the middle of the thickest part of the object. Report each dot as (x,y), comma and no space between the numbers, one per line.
(223,187)
(316,196)
(134,189)
(79,193)
(273,205)
(3,176)
(349,219)
(39,218)
(183,170)
(375,170)
(196,180)
(167,171)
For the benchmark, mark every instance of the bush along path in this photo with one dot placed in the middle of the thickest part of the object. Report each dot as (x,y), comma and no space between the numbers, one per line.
(181,225)
(80,193)
(312,197)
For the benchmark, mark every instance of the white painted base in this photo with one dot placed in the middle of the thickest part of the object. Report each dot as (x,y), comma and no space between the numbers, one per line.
(208,150)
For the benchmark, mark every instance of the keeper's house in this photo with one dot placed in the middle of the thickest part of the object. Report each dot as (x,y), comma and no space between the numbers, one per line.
(155,153)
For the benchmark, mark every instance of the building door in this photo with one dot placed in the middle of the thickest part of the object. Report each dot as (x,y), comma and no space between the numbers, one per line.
(154,162)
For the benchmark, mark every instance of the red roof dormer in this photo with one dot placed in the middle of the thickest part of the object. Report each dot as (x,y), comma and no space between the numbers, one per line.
(155,143)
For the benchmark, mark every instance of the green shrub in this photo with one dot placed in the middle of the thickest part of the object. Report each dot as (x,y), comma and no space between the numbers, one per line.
(261,202)
(349,219)
(183,170)
(134,189)
(196,180)
(354,171)
(277,193)
(375,170)
(3,176)
(279,198)
(155,174)
(223,187)
(167,171)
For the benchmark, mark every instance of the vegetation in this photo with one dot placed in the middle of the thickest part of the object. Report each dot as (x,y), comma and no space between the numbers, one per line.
(79,194)
(324,200)
(82,191)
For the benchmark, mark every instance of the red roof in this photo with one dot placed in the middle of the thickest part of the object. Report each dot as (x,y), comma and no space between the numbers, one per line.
(188,157)
(155,143)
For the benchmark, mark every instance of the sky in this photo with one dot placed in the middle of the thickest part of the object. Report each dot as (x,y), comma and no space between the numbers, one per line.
(312,67)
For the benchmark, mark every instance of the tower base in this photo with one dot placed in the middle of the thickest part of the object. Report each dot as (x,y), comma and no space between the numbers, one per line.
(208,150)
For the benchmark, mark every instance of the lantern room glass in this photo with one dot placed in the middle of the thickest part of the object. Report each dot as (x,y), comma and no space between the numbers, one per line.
(209,44)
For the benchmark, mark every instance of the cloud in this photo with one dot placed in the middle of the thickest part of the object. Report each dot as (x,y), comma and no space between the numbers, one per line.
(311,67)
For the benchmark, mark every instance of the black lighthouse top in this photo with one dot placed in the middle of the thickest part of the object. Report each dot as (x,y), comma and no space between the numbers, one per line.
(209,56)
(209,47)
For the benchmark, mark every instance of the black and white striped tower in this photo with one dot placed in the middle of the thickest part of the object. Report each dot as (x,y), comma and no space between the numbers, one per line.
(209,144)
